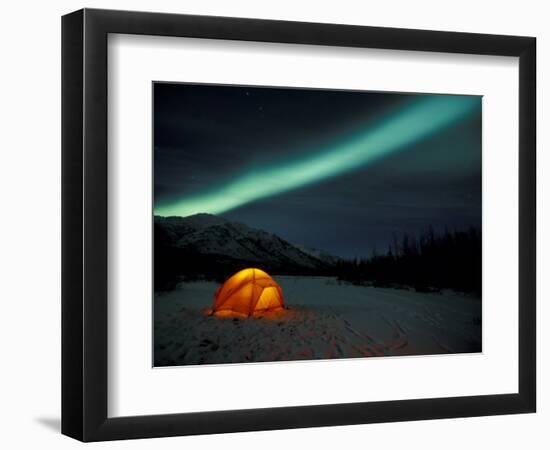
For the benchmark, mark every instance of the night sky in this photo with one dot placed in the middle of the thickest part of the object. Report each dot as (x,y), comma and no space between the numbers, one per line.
(339,171)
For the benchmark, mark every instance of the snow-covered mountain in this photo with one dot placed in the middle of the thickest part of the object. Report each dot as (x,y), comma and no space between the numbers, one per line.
(230,243)
(327,258)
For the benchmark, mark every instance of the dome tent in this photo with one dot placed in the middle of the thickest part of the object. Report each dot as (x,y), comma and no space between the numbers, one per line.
(247,293)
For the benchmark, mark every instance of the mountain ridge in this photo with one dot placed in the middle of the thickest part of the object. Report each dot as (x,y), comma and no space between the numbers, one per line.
(205,243)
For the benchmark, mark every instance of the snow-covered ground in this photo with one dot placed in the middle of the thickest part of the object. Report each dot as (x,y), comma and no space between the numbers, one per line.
(325,319)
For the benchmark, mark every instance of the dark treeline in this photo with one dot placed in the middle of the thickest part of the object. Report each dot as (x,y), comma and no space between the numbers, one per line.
(432,261)
(173,264)
(429,262)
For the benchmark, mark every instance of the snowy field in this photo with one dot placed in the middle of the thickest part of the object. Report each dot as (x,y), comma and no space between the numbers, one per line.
(324,319)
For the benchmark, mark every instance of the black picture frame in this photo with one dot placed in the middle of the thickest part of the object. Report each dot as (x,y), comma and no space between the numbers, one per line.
(84,224)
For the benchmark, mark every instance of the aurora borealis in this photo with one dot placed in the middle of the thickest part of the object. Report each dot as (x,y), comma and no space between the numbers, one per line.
(278,158)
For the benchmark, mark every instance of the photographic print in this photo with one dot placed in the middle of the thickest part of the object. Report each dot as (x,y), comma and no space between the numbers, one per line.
(312,224)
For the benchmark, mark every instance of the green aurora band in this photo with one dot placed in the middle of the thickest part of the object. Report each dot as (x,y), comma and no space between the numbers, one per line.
(420,119)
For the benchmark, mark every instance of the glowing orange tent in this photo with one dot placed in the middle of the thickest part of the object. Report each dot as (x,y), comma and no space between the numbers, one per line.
(247,293)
